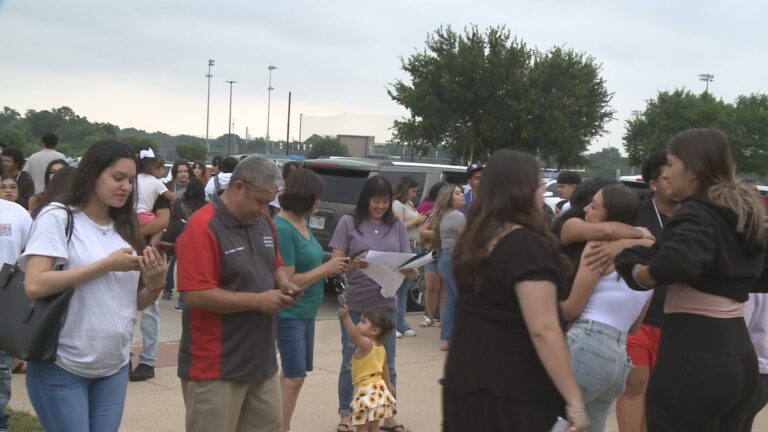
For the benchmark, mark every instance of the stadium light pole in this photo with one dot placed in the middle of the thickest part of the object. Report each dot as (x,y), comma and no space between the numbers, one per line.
(208,107)
(229,134)
(708,78)
(269,104)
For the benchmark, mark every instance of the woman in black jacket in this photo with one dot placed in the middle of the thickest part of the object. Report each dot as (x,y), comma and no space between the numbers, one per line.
(711,254)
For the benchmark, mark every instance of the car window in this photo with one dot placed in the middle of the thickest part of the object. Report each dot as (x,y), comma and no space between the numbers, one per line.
(553,188)
(341,186)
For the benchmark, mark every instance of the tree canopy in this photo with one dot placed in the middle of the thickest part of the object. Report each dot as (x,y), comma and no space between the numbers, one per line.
(476,92)
(325,146)
(745,122)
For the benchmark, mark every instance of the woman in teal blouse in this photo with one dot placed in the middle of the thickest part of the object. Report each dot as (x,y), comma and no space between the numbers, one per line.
(303,261)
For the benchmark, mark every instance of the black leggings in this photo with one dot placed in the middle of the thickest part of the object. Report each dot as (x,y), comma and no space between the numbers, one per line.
(705,375)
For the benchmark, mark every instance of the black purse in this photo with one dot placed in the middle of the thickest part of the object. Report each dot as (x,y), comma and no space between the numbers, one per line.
(29,329)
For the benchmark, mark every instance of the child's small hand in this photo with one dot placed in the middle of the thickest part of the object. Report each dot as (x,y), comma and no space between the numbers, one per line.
(344,312)
(392,389)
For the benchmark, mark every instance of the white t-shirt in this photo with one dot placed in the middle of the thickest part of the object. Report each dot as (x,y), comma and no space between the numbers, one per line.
(14,230)
(614,303)
(95,340)
(408,213)
(210,188)
(150,188)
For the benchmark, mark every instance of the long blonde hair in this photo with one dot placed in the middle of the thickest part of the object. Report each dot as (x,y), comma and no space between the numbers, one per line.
(443,205)
(708,154)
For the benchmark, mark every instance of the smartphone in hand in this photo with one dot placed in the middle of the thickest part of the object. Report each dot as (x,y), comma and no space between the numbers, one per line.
(166,247)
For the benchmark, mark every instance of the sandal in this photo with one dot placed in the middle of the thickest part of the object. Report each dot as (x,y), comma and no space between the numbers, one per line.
(20,368)
(395,428)
(341,427)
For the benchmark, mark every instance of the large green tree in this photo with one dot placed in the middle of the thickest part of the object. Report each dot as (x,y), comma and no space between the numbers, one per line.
(476,92)
(748,133)
(191,151)
(325,146)
(668,113)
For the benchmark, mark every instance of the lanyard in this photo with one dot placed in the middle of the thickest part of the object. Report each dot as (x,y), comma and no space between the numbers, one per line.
(658,216)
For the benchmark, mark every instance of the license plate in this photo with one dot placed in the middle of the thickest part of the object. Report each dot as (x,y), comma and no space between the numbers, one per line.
(317,222)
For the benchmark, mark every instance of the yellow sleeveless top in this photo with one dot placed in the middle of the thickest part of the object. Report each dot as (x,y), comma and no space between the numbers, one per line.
(370,368)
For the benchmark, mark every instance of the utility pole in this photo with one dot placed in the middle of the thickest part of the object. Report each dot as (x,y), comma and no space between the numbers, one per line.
(301,120)
(208,108)
(288,133)
(229,134)
(269,103)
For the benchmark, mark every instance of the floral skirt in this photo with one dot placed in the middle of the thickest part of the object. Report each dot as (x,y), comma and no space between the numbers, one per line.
(372,402)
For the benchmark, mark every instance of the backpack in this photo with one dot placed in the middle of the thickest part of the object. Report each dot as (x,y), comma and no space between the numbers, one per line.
(180,214)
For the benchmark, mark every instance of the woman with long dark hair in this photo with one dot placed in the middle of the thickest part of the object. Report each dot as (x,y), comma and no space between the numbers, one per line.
(372,226)
(50,170)
(85,388)
(402,205)
(434,291)
(711,254)
(508,367)
(604,310)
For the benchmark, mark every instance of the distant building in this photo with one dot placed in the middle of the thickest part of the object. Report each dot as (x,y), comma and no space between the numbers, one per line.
(358,145)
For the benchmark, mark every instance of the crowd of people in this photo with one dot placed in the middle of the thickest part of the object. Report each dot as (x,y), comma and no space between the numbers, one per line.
(654,302)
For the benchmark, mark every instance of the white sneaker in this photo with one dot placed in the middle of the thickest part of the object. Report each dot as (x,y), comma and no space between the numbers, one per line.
(409,333)
(427,322)
(398,334)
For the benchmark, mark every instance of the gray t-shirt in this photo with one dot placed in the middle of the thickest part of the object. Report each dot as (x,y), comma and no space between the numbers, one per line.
(450,227)
(363,293)
(408,213)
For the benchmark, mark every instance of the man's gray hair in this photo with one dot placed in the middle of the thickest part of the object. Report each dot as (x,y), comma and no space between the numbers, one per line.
(258,171)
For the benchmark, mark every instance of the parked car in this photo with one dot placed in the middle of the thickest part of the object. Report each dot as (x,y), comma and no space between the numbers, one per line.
(344,179)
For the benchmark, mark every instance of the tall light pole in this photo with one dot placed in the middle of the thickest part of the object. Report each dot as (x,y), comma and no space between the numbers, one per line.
(208,108)
(269,104)
(229,134)
(708,78)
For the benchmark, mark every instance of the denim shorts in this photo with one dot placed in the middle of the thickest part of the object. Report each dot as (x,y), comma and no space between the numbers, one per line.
(431,267)
(296,341)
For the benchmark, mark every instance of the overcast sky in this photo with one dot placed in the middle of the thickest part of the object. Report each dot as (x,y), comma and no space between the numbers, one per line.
(142,63)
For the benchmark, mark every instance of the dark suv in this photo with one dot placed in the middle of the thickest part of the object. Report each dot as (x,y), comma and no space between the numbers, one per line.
(344,179)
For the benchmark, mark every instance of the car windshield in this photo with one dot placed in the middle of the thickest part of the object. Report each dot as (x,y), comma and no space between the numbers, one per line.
(342,186)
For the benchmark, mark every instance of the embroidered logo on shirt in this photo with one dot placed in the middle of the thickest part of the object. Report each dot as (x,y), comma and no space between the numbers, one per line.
(5,230)
(237,249)
(268,242)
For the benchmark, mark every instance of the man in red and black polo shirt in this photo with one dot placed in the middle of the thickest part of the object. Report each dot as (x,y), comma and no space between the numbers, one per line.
(234,284)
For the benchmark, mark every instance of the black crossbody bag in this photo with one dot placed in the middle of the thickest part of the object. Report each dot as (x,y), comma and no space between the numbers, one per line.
(29,329)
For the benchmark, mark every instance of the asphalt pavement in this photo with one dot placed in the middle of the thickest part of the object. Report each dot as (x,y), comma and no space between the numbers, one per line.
(157,405)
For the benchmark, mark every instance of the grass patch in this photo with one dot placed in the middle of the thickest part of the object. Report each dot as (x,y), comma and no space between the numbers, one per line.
(23,422)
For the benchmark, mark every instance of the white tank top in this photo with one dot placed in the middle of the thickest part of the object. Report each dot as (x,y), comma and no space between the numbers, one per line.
(614,303)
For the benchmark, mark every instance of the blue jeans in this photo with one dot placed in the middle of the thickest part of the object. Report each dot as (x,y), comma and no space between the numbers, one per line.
(402,304)
(348,348)
(296,342)
(600,365)
(6,362)
(66,402)
(169,282)
(150,321)
(402,300)
(451,292)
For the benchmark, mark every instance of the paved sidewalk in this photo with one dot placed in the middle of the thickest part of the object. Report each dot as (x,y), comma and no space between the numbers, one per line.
(156,405)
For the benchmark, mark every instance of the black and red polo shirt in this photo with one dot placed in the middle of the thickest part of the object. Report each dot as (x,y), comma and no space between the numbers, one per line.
(216,251)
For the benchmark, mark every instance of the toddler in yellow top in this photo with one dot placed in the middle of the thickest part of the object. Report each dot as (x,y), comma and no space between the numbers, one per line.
(374,398)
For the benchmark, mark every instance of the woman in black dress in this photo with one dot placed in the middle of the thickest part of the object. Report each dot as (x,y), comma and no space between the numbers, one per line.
(508,367)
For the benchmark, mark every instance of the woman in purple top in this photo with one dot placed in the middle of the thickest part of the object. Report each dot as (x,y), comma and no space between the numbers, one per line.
(372,226)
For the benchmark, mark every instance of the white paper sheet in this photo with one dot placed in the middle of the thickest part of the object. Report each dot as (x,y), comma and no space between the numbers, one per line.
(384,269)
